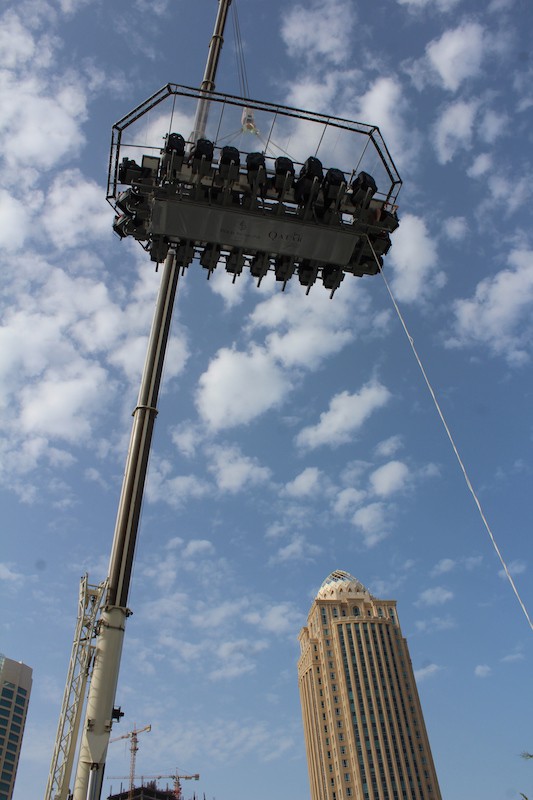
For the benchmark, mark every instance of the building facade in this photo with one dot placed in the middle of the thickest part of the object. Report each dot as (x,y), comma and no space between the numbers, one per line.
(15,688)
(363,725)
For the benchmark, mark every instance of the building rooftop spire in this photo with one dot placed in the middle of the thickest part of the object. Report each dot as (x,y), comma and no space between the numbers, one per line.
(339,585)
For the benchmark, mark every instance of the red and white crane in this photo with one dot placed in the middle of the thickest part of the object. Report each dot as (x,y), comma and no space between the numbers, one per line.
(134,747)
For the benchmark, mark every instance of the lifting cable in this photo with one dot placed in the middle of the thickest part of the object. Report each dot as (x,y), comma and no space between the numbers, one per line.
(452,442)
(239,54)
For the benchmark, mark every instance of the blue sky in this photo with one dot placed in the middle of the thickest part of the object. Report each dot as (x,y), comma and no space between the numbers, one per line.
(295,434)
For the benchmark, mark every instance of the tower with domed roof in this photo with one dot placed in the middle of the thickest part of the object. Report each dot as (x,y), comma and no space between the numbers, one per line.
(364,730)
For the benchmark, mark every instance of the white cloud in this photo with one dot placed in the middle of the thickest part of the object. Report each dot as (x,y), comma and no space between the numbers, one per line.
(388,447)
(443,566)
(177,490)
(372,521)
(434,597)
(280,618)
(75,211)
(186,436)
(455,228)
(413,259)
(389,478)
(234,658)
(304,331)
(17,45)
(493,126)
(346,414)
(453,129)
(480,166)
(435,624)
(512,657)
(306,483)
(347,500)
(384,105)
(14,222)
(198,547)
(298,549)
(426,672)
(515,568)
(231,291)
(442,5)
(56,406)
(321,30)
(498,316)
(237,387)
(233,471)
(482,671)
(457,55)
(39,122)
(9,575)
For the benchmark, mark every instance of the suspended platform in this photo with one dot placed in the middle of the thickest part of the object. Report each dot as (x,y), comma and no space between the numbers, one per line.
(266,187)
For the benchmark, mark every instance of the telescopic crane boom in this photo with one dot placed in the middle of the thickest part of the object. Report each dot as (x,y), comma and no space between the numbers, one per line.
(100,710)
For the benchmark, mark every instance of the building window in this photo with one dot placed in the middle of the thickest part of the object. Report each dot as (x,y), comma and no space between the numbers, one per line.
(346,776)
(348,792)
(356,611)
(341,737)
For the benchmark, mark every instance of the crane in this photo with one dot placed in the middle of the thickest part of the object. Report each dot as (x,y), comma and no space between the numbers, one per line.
(175,777)
(134,746)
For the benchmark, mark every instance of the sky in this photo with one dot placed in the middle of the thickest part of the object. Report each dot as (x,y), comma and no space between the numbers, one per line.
(295,434)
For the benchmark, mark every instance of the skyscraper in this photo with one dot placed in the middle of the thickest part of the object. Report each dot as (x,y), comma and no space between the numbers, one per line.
(364,731)
(15,688)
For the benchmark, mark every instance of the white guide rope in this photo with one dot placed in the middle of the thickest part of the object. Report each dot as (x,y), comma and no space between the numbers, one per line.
(452,442)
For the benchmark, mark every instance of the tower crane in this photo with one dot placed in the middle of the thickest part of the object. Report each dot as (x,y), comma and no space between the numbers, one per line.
(134,746)
(175,777)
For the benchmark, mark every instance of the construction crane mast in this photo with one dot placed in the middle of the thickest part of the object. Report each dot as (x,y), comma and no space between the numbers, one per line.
(134,747)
